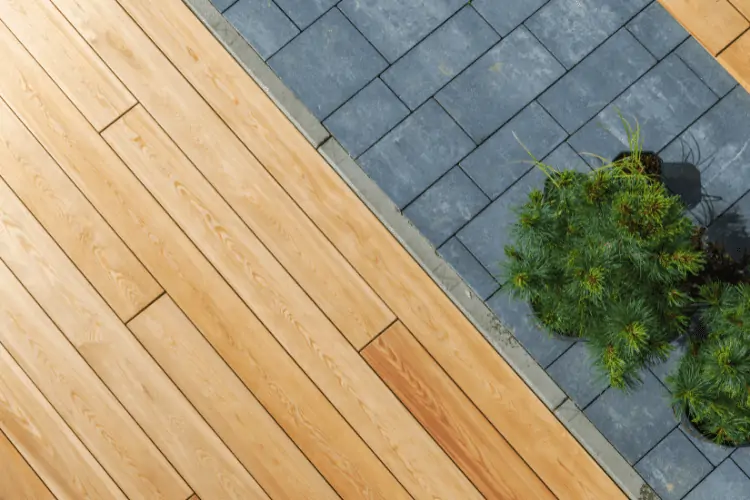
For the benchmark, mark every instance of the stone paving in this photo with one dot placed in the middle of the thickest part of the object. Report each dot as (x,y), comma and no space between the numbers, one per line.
(432,97)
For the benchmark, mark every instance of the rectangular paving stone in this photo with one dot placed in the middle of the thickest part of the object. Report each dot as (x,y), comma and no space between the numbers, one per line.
(565,158)
(719,145)
(518,317)
(726,482)
(416,153)
(469,268)
(634,421)
(395,26)
(597,80)
(706,67)
(438,58)
(304,12)
(674,466)
(576,374)
(366,117)
(501,160)
(713,452)
(446,206)
(506,15)
(222,5)
(657,30)
(499,84)
(262,24)
(327,64)
(664,102)
(570,29)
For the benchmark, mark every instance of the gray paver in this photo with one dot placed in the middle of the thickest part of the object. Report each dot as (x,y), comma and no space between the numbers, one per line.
(304,12)
(670,366)
(325,79)
(439,57)
(262,24)
(576,374)
(713,452)
(446,206)
(597,80)
(674,466)
(706,66)
(634,422)
(726,482)
(657,30)
(395,26)
(222,5)
(502,160)
(366,117)
(499,84)
(416,153)
(565,158)
(505,16)
(469,268)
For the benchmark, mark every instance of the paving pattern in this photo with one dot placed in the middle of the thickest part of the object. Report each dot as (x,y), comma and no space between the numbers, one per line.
(438,99)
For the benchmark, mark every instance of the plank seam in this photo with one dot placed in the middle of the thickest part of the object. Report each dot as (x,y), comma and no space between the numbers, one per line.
(379,334)
(729,45)
(41,480)
(117,118)
(144,308)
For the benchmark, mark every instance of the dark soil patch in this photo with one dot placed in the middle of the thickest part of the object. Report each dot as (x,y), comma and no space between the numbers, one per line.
(649,163)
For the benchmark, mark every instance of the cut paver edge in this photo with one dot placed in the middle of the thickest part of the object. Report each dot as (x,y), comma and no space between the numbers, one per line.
(499,336)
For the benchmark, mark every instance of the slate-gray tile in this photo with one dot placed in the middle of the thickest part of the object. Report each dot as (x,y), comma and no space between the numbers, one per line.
(731,229)
(262,24)
(395,26)
(366,117)
(576,374)
(518,317)
(726,482)
(663,103)
(719,144)
(446,206)
(706,66)
(634,422)
(327,63)
(469,268)
(674,466)
(741,457)
(438,58)
(565,158)
(501,160)
(712,451)
(670,366)
(597,80)
(304,12)
(222,5)
(416,153)
(657,30)
(499,84)
(571,29)
(505,16)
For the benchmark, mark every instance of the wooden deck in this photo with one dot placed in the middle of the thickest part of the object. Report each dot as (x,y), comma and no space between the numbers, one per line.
(192,302)
(722,27)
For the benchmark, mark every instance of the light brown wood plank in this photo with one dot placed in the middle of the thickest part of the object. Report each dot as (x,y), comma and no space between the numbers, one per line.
(736,59)
(325,355)
(715,23)
(73,65)
(196,287)
(450,417)
(229,166)
(17,480)
(743,6)
(249,431)
(71,220)
(44,440)
(458,347)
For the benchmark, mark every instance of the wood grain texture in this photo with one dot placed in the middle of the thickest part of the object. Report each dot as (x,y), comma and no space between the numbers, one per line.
(195,286)
(17,479)
(249,431)
(71,220)
(228,165)
(41,436)
(736,59)
(714,23)
(491,384)
(304,331)
(743,6)
(451,418)
(73,65)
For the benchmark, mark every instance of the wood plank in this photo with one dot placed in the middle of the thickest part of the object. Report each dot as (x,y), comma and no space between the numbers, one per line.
(714,23)
(304,331)
(450,417)
(743,6)
(42,437)
(238,336)
(736,59)
(476,367)
(17,480)
(228,165)
(249,431)
(73,65)
(71,220)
